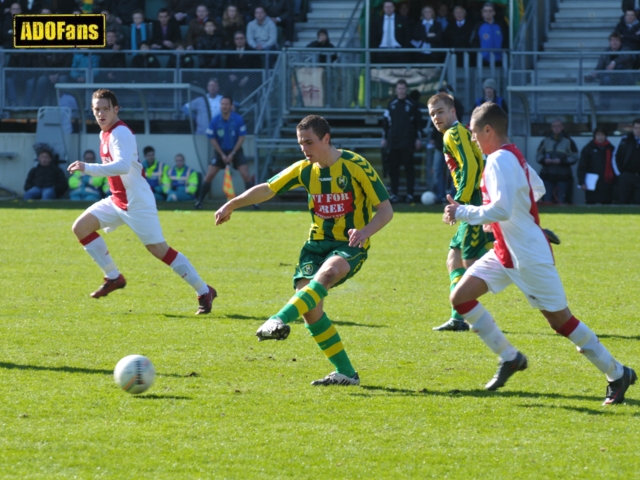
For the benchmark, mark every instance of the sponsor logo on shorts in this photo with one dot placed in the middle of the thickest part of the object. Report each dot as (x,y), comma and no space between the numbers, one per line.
(332,205)
(59,31)
(307,269)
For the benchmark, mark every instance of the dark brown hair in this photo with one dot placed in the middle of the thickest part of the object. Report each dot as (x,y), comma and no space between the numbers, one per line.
(108,94)
(316,123)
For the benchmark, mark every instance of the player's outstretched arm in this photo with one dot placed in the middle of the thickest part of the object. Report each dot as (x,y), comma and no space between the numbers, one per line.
(258,194)
(384,214)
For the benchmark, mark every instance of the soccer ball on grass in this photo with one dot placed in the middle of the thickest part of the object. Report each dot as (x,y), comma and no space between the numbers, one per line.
(134,374)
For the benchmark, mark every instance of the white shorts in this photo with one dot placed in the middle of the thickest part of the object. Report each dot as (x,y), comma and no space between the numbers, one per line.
(540,283)
(144,222)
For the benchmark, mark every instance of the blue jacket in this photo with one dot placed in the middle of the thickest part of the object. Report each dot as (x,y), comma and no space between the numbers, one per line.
(489,35)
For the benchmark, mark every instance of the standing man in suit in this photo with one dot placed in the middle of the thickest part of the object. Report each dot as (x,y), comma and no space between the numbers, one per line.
(389,32)
(458,33)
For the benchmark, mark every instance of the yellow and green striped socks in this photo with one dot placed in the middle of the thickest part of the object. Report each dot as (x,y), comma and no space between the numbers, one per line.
(455,277)
(304,300)
(328,339)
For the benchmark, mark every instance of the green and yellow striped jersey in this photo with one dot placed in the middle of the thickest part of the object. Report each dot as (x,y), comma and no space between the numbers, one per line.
(465,162)
(341,196)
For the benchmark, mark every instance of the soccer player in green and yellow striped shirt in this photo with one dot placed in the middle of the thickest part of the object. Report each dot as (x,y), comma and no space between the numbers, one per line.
(343,189)
(466,163)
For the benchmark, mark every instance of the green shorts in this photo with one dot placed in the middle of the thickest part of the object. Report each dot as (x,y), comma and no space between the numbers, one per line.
(472,241)
(315,252)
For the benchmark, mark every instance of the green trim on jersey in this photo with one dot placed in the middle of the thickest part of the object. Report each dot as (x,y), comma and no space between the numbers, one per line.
(465,162)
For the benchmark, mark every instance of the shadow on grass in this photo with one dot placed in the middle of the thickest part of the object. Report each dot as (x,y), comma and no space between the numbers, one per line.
(238,316)
(609,410)
(154,396)
(478,393)
(619,337)
(94,371)
(345,323)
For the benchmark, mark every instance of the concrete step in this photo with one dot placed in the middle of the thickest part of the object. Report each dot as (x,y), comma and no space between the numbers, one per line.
(584,24)
(562,33)
(316,6)
(612,15)
(566,64)
(567,44)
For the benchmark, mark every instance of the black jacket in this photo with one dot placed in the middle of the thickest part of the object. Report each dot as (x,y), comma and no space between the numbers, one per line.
(238,61)
(402,124)
(630,40)
(173,33)
(593,159)
(628,5)
(420,34)
(628,155)
(321,57)
(49,176)
(457,37)
(402,31)
(145,60)
(210,42)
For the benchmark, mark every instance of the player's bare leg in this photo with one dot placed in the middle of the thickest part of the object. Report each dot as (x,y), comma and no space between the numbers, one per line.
(85,229)
(587,343)
(212,171)
(183,268)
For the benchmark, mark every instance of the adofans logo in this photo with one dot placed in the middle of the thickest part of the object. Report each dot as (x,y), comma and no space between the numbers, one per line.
(59,31)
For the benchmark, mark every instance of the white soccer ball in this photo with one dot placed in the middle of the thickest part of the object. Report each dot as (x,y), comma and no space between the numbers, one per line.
(428,198)
(134,374)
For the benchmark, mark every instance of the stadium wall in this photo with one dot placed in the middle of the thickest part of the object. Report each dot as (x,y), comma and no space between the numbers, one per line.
(14,172)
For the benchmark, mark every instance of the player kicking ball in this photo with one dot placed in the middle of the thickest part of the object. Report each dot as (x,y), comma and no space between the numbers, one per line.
(521,255)
(131,203)
(343,188)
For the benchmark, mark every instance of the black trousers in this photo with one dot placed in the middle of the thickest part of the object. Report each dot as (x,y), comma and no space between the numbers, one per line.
(397,158)
(629,184)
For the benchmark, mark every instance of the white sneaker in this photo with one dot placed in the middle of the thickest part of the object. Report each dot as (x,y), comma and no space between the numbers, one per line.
(273,329)
(335,378)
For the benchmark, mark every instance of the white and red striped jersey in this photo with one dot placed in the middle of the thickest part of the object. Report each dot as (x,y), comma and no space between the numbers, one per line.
(120,164)
(510,189)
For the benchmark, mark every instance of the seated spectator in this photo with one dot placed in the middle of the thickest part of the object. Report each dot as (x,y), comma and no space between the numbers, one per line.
(631,5)
(211,40)
(458,34)
(203,109)
(261,32)
(154,171)
(187,60)
(232,22)
(46,180)
(114,26)
(139,31)
(596,159)
(557,153)
(613,59)
(45,92)
(86,187)
(180,183)
(196,26)
(146,59)
(627,166)
(110,61)
(80,65)
(183,11)
(489,34)
(279,11)
(166,32)
(443,16)
(390,31)
(629,30)
(427,34)
(491,95)
(323,42)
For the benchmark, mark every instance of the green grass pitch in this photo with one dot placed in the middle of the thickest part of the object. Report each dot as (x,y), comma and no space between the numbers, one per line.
(225,406)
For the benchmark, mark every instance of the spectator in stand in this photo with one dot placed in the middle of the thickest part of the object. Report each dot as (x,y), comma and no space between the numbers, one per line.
(31,7)
(443,16)
(491,95)
(139,32)
(631,5)
(86,187)
(81,64)
(404,9)
(232,23)
(125,9)
(402,131)
(458,34)
(557,153)
(154,172)
(114,26)
(46,180)
(203,109)
(196,26)
(489,34)
(180,183)
(596,159)
(145,59)
(187,60)
(627,166)
(241,82)
(613,59)
(281,14)
(323,42)
(261,32)
(183,11)
(427,34)
(110,61)
(166,32)
(7,25)
(210,41)
(45,93)
(629,30)
(389,32)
